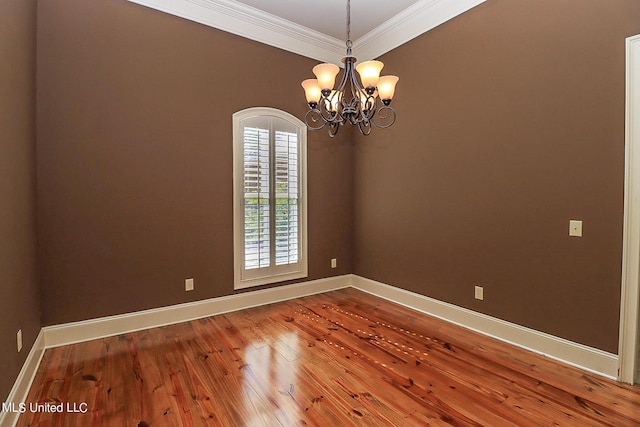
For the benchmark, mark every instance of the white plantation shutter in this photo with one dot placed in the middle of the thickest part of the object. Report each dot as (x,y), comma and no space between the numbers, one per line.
(256,198)
(269,197)
(286,192)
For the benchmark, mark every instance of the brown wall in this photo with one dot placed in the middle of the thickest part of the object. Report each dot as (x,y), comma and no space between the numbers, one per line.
(511,122)
(135,157)
(18,281)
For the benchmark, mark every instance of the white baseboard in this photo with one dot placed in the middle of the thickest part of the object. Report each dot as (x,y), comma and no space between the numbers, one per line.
(70,333)
(21,387)
(581,356)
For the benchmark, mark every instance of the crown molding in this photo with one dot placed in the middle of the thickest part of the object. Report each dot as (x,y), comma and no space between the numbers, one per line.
(245,21)
(249,22)
(409,24)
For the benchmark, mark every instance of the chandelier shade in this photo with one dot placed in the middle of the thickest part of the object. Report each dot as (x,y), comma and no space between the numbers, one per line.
(362,101)
(387,88)
(369,72)
(312,91)
(326,75)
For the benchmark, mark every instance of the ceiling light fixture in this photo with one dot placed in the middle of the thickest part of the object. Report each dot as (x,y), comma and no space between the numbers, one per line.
(363,104)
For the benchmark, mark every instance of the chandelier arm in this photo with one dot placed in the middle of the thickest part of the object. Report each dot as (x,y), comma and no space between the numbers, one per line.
(345,77)
(365,127)
(314,116)
(334,127)
(356,91)
(387,115)
(328,115)
(370,112)
(325,106)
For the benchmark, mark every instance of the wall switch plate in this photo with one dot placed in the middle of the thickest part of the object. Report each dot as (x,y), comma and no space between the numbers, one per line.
(479,292)
(188,284)
(19,339)
(575,228)
(334,262)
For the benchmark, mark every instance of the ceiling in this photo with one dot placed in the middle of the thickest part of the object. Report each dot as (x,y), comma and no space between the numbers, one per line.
(317,28)
(329,16)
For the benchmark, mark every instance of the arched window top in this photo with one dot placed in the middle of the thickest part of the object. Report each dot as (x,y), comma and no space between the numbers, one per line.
(269,111)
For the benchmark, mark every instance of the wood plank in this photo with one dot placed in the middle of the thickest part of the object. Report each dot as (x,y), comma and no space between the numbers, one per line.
(585,390)
(340,358)
(450,368)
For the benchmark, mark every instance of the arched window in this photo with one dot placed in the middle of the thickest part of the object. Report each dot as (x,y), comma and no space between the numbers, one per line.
(269,197)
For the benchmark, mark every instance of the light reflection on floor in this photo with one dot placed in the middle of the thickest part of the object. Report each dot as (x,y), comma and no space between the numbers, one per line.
(269,379)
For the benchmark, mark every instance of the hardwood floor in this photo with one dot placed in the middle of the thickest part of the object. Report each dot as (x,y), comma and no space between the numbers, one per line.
(340,358)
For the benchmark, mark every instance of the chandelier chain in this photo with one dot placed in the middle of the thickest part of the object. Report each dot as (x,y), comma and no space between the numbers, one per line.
(348,22)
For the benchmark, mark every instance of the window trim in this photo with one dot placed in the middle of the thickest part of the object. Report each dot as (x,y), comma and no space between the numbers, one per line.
(239,280)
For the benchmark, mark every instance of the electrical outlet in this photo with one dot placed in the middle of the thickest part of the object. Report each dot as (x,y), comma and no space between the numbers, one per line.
(19,340)
(334,262)
(479,292)
(188,284)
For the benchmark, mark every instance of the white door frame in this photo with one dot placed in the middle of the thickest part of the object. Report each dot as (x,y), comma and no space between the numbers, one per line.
(628,342)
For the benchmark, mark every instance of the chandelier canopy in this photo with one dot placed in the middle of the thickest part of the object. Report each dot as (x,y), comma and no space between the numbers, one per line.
(363,102)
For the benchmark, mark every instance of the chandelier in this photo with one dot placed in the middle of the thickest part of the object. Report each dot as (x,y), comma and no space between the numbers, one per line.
(363,104)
